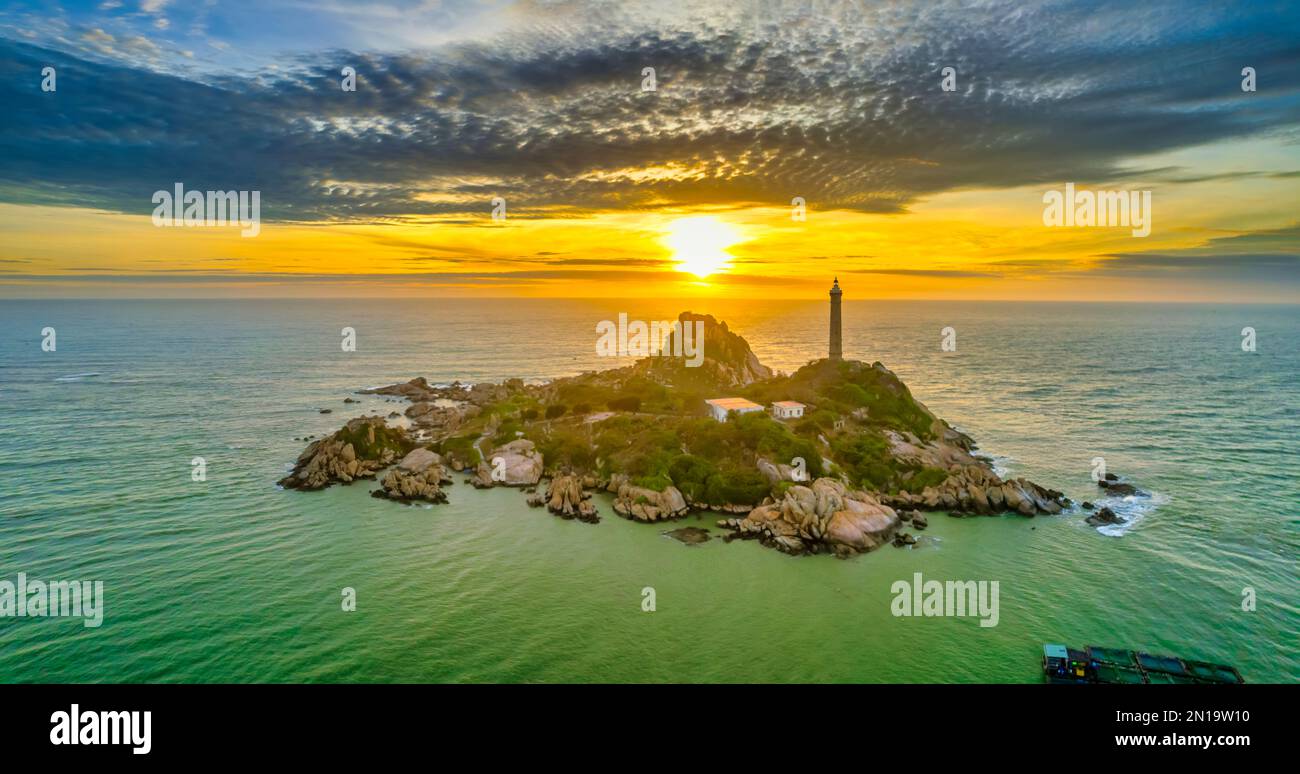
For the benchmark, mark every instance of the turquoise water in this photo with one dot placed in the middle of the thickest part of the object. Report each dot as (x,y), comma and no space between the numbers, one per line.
(234,580)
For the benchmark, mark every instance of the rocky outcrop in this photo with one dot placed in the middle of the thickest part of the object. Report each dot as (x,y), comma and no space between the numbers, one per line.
(641,504)
(903,539)
(518,463)
(975,489)
(362,448)
(825,516)
(565,497)
(417,389)
(1116,488)
(1105,516)
(419,476)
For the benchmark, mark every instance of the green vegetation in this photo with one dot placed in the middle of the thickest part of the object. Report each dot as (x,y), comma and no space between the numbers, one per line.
(851,407)
(460,447)
(359,434)
(625,403)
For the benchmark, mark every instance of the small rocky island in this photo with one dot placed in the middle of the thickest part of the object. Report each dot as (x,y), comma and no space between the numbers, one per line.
(860,463)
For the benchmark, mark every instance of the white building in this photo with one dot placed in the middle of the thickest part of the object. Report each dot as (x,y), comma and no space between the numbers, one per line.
(720,407)
(787,409)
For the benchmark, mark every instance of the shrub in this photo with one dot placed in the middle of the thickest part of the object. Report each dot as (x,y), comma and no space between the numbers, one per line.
(506,432)
(555,410)
(739,486)
(567,449)
(625,403)
(461,447)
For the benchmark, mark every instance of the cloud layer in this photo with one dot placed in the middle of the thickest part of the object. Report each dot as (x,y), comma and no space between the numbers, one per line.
(753,106)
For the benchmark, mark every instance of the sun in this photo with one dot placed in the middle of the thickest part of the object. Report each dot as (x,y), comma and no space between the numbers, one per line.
(699,244)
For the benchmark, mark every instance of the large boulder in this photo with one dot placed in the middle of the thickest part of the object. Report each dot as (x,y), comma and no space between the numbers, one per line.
(775,473)
(823,516)
(518,463)
(642,504)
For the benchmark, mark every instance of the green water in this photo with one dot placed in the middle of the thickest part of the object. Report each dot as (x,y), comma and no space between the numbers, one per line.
(234,580)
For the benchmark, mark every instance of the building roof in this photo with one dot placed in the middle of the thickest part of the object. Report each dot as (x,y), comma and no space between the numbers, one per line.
(733,404)
(788,404)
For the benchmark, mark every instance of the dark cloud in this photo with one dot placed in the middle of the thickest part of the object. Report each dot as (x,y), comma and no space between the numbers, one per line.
(944,273)
(846,114)
(1271,256)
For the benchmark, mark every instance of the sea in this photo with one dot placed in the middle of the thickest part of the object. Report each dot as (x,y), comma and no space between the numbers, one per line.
(231,579)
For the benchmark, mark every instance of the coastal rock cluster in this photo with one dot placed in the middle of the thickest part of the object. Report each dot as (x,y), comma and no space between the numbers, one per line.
(824,516)
(971,486)
(641,504)
(360,450)
(419,476)
(565,497)
(975,490)
(440,409)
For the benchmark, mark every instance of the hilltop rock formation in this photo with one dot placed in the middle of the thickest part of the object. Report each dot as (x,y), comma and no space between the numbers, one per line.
(362,448)
(728,360)
(824,516)
(419,476)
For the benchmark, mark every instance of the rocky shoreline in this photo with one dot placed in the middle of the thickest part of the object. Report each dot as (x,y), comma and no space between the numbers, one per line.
(917,462)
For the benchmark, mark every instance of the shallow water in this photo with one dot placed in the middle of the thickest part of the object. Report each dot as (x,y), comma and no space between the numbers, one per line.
(234,580)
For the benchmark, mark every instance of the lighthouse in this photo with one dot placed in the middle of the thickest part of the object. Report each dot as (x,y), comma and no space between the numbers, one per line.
(837,345)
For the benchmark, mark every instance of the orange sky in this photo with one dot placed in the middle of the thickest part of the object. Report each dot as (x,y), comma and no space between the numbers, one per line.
(962,245)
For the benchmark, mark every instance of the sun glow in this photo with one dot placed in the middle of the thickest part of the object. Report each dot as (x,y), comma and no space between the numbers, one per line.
(699,244)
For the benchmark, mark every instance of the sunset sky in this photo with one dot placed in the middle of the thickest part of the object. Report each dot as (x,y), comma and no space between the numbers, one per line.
(611,191)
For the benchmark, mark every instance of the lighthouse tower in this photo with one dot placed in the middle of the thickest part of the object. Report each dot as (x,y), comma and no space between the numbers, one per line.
(837,345)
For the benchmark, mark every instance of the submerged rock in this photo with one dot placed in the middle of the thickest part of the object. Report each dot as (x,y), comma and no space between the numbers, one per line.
(689,535)
(1105,516)
(1120,489)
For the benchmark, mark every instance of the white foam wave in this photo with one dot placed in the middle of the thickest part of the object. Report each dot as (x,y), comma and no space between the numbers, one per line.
(77,377)
(1133,509)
